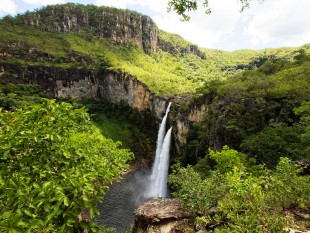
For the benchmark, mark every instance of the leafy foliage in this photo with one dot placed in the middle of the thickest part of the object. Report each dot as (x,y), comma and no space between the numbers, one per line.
(183,7)
(255,109)
(121,123)
(13,96)
(228,159)
(247,197)
(53,165)
(198,193)
(304,112)
(274,142)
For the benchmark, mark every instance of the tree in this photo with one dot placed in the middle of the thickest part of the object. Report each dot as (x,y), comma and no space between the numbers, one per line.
(53,165)
(183,7)
(247,197)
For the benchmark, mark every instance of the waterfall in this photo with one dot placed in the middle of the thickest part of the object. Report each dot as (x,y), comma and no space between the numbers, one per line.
(163,166)
(160,140)
(157,186)
(139,186)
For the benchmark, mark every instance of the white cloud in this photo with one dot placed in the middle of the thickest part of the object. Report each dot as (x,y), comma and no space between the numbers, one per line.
(8,7)
(283,23)
(204,30)
(158,6)
(115,3)
(273,23)
(152,5)
(46,2)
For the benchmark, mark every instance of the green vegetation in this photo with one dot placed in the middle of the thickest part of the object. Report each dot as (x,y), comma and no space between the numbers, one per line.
(264,114)
(121,123)
(54,164)
(183,7)
(173,40)
(253,111)
(244,197)
(179,70)
(13,96)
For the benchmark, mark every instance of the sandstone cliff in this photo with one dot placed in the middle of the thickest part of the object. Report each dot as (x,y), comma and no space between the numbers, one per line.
(118,26)
(84,84)
(113,87)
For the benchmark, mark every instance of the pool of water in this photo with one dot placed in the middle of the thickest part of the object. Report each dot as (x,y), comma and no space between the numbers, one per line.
(117,209)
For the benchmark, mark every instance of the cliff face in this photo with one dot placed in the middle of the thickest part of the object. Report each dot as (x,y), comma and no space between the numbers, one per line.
(114,88)
(183,123)
(118,89)
(174,50)
(119,26)
(83,84)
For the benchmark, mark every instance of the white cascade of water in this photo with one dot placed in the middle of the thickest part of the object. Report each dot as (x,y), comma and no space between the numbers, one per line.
(157,186)
(160,137)
(163,166)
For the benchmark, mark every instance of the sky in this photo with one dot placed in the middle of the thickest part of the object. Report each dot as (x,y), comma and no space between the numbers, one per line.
(267,24)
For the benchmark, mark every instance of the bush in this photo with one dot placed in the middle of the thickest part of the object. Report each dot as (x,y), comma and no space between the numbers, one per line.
(53,165)
(274,142)
(247,198)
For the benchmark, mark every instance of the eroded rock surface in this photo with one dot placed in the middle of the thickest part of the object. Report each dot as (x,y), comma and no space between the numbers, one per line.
(163,216)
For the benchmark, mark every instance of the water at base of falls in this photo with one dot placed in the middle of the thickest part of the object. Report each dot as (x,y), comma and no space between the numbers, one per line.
(117,209)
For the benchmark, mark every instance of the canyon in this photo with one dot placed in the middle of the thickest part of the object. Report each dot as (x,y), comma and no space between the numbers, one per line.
(115,88)
(120,27)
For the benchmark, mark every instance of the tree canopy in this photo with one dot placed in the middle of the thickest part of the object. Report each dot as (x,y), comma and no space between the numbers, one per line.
(183,7)
(53,165)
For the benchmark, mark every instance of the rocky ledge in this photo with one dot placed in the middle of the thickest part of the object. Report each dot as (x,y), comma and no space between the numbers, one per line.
(163,216)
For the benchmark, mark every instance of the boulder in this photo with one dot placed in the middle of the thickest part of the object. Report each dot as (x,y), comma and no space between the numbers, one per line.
(163,216)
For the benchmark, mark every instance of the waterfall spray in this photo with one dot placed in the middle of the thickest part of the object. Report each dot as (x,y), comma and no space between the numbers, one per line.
(157,186)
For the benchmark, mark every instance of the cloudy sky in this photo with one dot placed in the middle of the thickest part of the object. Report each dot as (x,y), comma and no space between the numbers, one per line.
(273,23)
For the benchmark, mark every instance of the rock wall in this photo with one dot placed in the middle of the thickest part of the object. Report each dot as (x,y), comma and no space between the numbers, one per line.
(83,84)
(119,26)
(183,122)
(114,88)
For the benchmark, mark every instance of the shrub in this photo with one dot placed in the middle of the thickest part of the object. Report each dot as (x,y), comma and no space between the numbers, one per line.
(53,165)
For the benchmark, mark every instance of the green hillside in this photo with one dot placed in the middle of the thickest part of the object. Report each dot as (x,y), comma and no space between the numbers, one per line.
(170,72)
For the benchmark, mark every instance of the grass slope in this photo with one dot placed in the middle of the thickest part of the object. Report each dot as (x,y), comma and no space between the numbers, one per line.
(162,72)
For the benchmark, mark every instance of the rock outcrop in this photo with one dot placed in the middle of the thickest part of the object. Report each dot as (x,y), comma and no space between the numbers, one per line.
(173,49)
(184,120)
(82,84)
(119,26)
(112,87)
(163,216)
